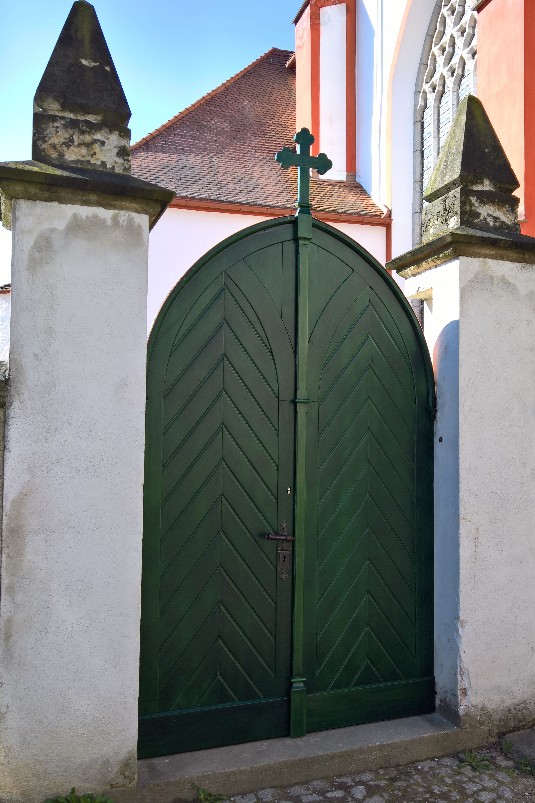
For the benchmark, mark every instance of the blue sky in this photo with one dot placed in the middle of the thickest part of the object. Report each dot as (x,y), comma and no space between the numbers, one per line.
(168,53)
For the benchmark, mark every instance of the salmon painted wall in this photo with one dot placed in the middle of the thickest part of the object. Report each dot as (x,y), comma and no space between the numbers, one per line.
(501,84)
(529,117)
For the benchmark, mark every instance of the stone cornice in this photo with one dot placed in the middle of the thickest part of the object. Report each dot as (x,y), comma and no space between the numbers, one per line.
(464,242)
(36,181)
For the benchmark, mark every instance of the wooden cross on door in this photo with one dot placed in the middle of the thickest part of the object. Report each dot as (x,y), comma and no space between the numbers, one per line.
(304,162)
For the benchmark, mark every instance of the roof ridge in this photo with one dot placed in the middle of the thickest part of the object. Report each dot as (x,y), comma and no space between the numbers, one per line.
(300,12)
(208,96)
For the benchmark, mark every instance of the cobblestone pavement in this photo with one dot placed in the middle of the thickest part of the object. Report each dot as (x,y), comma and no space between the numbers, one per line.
(485,776)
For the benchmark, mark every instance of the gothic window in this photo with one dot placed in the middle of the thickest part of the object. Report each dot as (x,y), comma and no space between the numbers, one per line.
(447,74)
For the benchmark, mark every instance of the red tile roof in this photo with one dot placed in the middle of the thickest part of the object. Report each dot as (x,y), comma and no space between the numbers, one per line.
(222,148)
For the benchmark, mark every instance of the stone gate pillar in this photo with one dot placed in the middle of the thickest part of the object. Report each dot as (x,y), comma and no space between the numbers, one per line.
(477,276)
(72,525)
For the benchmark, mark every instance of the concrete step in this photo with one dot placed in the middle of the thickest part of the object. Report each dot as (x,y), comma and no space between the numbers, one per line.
(280,762)
(521,746)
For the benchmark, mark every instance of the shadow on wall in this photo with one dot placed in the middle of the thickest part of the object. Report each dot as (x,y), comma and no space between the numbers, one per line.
(446,363)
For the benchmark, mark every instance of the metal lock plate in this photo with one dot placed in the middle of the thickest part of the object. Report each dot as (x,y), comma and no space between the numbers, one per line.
(284,561)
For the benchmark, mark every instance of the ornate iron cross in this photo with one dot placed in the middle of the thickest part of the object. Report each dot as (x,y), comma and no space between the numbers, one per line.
(303,161)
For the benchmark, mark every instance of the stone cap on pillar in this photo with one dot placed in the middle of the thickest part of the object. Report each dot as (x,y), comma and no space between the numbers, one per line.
(473,183)
(470,207)
(34,181)
(81,113)
(81,139)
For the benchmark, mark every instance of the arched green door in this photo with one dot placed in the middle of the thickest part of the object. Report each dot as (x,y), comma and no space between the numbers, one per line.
(243,633)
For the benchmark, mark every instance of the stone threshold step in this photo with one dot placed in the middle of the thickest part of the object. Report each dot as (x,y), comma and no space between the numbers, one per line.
(238,769)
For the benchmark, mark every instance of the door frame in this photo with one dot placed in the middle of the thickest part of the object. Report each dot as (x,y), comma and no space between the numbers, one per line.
(150,607)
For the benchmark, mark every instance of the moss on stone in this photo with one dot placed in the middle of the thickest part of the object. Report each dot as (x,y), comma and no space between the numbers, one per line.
(472,155)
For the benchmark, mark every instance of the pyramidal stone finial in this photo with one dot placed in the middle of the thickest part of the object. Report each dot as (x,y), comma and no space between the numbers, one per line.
(473,183)
(81,113)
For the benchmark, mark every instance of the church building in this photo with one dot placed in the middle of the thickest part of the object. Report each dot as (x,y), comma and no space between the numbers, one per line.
(297,508)
(378,84)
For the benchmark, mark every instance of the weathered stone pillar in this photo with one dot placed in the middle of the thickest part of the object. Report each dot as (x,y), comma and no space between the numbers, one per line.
(72,525)
(477,274)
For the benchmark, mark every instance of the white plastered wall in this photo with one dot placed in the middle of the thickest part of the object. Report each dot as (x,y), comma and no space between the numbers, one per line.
(72,525)
(183,236)
(333,88)
(497,491)
(481,326)
(179,239)
(440,289)
(5,256)
(5,317)
(372,238)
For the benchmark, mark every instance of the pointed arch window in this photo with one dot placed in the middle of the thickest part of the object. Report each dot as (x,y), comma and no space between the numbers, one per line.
(447,74)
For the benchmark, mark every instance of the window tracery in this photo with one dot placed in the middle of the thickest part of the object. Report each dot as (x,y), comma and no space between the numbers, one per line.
(447,75)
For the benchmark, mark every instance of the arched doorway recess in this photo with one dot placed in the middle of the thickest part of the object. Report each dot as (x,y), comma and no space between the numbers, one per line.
(288,546)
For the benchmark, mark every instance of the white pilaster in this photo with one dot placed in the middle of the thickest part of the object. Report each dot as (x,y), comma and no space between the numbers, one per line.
(497,491)
(333,79)
(72,527)
(482,333)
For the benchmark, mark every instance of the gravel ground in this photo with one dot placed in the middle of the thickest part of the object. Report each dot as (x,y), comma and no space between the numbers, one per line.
(485,776)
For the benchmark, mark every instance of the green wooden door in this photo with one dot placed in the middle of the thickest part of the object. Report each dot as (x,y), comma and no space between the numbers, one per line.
(218,654)
(216,626)
(368,558)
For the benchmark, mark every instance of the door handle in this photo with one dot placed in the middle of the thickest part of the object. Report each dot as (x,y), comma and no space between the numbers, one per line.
(282,536)
(278,537)
(284,551)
